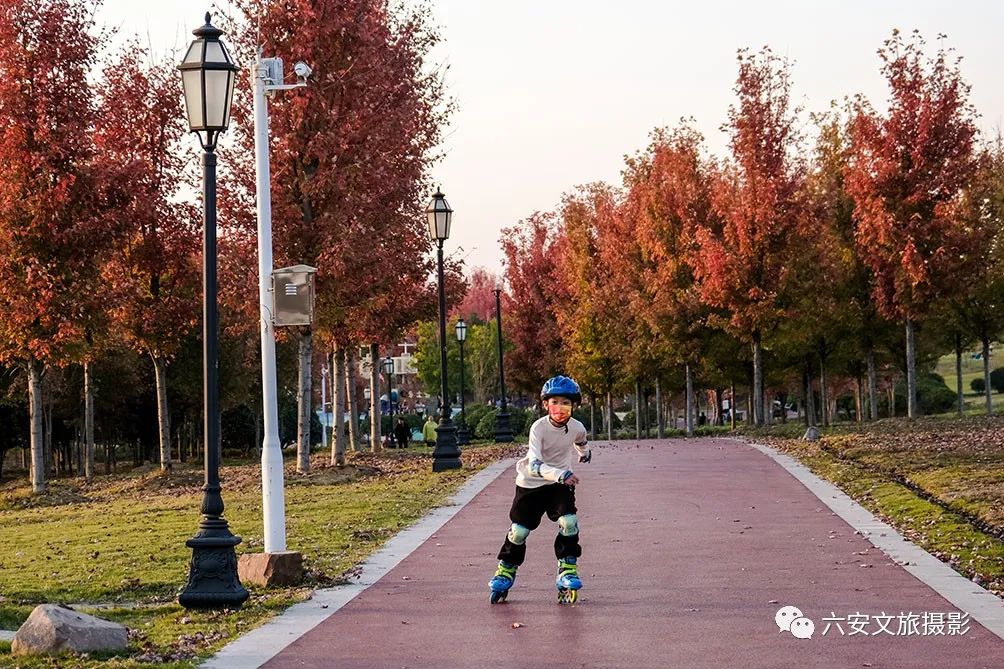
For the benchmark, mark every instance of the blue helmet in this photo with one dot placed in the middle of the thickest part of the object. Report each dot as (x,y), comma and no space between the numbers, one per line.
(561,386)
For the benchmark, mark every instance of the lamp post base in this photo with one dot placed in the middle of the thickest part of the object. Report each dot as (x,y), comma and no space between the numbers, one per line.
(212,575)
(503,429)
(446,454)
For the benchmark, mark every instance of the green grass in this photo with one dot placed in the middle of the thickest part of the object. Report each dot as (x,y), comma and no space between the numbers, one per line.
(120,543)
(974,403)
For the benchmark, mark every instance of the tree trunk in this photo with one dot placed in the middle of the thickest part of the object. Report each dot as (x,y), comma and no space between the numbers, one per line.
(637,409)
(689,421)
(88,423)
(732,404)
(891,394)
(758,398)
(986,374)
(350,377)
(958,372)
(47,430)
(659,418)
(872,384)
(610,416)
(375,412)
(35,415)
(303,403)
(163,415)
(810,399)
(859,402)
(824,407)
(592,417)
(644,414)
(338,407)
(911,371)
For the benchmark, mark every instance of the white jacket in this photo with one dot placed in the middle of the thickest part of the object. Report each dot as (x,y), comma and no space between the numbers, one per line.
(552,452)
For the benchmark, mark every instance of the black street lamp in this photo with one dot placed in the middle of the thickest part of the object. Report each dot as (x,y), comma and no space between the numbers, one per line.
(446,455)
(503,429)
(463,434)
(207,75)
(388,369)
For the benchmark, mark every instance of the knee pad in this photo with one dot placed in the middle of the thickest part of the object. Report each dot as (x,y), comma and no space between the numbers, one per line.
(518,534)
(569,524)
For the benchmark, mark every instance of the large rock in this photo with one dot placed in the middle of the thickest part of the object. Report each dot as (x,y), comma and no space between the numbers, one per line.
(267,569)
(53,629)
(812,434)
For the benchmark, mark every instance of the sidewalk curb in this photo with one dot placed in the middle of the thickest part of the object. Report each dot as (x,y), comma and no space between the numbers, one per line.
(982,605)
(262,644)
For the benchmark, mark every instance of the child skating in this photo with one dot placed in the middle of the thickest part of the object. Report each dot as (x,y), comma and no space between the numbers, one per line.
(545,483)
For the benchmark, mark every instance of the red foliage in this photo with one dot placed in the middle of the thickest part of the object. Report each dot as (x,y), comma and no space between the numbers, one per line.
(529,305)
(349,156)
(744,266)
(908,175)
(49,235)
(588,310)
(479,300)
(669,197)
(154,267)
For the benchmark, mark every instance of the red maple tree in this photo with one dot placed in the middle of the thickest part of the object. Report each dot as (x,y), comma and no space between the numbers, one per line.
(49,234)
(350,154)
(154,266)
(908,173)
(530,303)
(669,197)
(478,304)
(744,267)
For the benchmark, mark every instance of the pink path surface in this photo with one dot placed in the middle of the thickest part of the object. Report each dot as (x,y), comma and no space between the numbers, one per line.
(689,549)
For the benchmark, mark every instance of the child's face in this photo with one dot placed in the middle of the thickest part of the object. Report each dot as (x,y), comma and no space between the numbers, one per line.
(559,409)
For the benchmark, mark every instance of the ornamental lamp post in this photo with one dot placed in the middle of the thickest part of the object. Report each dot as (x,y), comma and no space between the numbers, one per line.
(503,428)
(388,368)
(446,455)
(207,74)
(463,434)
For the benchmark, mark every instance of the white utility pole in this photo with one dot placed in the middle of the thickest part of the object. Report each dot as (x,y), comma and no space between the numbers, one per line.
(266,78)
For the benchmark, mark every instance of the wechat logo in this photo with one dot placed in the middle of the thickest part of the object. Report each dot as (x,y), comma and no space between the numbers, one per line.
(790,619)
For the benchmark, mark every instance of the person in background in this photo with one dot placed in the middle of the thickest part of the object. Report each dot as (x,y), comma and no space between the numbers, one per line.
(401,433)
(429,431)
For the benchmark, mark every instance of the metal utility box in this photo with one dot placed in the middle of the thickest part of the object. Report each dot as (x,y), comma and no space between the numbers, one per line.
(293,295)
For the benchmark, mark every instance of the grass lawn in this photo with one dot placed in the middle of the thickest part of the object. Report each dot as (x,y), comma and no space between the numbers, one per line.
(938,480)
(117,546)
(975,403)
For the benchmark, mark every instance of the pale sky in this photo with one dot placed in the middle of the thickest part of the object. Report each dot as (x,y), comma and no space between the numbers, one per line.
(554,93)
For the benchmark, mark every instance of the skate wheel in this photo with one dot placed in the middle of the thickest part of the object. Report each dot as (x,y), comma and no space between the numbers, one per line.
(567,596)
(499,597)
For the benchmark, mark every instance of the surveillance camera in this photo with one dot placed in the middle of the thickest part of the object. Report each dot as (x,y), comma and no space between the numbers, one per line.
(302,70)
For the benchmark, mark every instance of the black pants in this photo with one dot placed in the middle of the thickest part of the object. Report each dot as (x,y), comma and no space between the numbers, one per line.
(529,504)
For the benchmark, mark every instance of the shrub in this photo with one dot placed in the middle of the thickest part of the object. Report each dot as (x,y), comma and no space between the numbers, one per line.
(520,420)
(933,396)
(485,428)
(473,413)
(978,385)
(997,380)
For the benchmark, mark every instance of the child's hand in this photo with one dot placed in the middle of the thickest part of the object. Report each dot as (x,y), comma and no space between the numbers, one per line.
(587,457)
(571,480)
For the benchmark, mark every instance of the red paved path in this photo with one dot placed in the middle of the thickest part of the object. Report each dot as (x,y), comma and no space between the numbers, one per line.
(690,547)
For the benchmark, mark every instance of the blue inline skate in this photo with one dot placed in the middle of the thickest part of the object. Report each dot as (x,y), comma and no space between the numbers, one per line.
(504,577)
(568,580)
